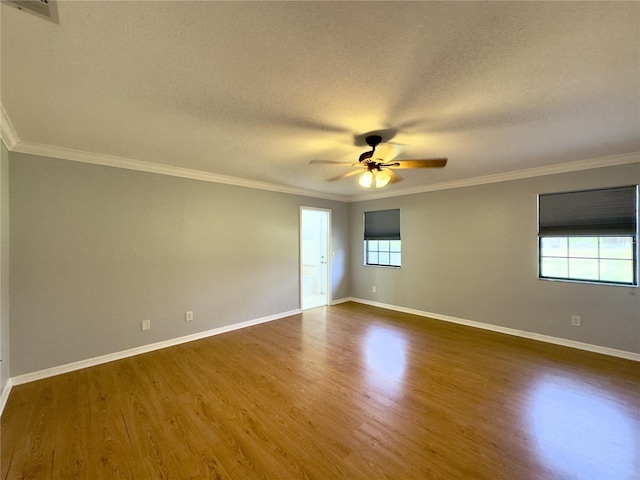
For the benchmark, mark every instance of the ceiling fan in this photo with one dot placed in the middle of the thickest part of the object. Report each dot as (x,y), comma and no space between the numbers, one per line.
(378,166)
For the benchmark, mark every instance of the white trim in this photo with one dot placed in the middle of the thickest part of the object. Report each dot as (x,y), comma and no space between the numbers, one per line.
(5,395)
(328,285)
(10,137)
(17,145)
(142,166)
(7,132)
(509,331)
(610,161)
(342,300)
(91,362)
(70,367)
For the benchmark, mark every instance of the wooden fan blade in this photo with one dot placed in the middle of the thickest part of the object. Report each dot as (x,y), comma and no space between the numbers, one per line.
(425,163)
(345,175)
(331,162)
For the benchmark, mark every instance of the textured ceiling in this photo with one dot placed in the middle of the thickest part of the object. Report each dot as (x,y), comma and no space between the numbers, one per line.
(256,90)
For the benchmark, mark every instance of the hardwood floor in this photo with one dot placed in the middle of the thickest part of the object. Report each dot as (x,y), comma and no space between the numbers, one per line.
(343,392)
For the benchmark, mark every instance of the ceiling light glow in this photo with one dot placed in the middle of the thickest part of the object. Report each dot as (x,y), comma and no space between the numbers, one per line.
(366,179)
(382,179)
(377,178)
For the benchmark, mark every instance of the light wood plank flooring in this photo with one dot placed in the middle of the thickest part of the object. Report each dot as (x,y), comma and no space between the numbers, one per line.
(344,392)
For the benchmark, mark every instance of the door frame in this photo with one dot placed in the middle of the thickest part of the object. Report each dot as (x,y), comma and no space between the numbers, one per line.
(329,254)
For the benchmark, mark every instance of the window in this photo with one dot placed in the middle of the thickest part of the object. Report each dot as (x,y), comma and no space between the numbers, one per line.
(589,236)
(382,246)
(383,252)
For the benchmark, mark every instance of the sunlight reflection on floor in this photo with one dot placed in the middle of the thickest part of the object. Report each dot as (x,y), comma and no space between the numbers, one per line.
(575,427)
(385,355)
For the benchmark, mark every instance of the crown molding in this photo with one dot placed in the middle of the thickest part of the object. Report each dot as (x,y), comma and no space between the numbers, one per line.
(7,132)
(610,161)
(142,166)
(14,144)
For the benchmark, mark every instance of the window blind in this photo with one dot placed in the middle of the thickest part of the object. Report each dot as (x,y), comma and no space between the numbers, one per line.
(382,225)
(604,211)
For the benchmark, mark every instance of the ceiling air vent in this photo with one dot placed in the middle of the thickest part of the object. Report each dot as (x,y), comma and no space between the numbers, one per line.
(43,8)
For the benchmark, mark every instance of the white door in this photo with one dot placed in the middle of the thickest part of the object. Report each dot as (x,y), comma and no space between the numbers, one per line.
(314,257)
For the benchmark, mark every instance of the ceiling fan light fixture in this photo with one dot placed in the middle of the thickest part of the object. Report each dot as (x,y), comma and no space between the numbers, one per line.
(366,179)
(382,179)
(377,178)
(378,162)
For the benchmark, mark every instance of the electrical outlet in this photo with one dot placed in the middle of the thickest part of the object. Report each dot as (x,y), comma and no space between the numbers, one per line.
(146,324)
(188,316)
(374,289)
(575,320)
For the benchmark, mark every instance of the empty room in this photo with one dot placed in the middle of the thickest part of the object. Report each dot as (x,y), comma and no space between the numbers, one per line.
(319,240)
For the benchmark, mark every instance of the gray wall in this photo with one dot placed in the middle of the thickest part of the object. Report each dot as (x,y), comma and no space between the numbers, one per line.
(471,253)
(95,250)
(4,267)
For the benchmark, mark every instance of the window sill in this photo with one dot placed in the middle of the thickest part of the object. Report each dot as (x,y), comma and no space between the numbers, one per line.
(588,282)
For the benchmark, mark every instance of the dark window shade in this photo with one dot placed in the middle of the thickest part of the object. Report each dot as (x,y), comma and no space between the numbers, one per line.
(382,225)
(606,211)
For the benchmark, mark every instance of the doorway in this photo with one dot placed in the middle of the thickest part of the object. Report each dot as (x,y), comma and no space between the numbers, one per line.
(314,257)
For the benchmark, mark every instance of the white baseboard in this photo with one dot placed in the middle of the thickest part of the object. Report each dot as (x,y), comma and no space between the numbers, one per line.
(509,331)
(70,367)
(5,395)
(340,300)
(91,362)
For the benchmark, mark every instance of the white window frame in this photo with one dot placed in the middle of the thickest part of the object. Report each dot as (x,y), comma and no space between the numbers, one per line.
(600,257)
(594,213)
(382,226)
(367,250)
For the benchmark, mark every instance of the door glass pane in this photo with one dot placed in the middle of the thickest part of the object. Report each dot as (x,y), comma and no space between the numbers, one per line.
(314,230)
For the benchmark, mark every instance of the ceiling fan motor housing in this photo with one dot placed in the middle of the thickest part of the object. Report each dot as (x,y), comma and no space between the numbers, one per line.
(374,140)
